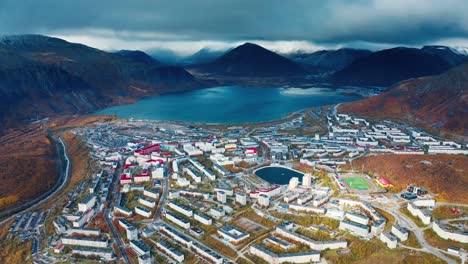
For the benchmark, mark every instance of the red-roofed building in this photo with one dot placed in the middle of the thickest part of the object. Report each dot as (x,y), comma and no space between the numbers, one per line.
(126,166)
(143,177)
(274,190)
(125,179)
(251,151)
(58,248)
(384,182)
(148,150)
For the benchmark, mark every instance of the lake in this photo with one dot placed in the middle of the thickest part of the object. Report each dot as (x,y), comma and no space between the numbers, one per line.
(278,175)
(228,104)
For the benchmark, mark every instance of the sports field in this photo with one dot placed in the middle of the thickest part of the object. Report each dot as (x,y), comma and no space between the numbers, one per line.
(357,183)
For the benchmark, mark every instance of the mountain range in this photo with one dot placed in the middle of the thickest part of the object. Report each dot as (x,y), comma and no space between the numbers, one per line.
(328,60)
(42,76)
(387,67)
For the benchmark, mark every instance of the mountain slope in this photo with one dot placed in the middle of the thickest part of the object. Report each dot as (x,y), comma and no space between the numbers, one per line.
(437,103)
(42,76)
(251,60)
(387,67)
(329,60)
(203,56)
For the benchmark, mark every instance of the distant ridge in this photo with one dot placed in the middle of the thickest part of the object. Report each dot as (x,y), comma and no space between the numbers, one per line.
(329,60)
(387,67)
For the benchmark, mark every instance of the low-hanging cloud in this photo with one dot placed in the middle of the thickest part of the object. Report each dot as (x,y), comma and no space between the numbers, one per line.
(107,23)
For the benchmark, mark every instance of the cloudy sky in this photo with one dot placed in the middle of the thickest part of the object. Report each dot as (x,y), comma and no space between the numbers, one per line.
(187,26)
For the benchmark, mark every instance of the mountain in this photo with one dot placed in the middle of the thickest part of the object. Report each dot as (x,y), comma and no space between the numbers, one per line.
(329,60)
(140,56)
(438,103)
(387,67)
(42,76)
(165,56)
(203,56)
(251,60)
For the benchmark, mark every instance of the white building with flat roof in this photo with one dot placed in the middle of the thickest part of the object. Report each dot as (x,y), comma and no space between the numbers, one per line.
(389,239)
(233,234)
(307,180)
(400,232)
(263,200)
(271,257)
(151,193)
(147,202)
(241,198)
(358,218)
(217,212)
(105,254)
(142,211)
(84,241)
(177,220)
(87,203)
(221,197)
(202,218)
(354,228)
(139,247)
(293,183)
(185,210)
(170,251)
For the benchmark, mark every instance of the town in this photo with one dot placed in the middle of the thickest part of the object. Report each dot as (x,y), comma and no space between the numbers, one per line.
(166,192)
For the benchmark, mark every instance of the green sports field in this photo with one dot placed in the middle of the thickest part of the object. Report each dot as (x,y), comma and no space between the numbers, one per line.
(357,183)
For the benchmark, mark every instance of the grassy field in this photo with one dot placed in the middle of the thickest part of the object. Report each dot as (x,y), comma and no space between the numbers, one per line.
(412,241)
(357,183)
(444,212)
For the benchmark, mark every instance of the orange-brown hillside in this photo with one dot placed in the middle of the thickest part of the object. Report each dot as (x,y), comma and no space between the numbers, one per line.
(445,175)
(438,103)
(27,165)
(28,158)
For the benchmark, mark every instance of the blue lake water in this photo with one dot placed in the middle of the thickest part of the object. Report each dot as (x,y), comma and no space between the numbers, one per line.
(228,104)
(278,175)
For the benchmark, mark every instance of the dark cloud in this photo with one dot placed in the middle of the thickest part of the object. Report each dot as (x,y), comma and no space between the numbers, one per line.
(410,22)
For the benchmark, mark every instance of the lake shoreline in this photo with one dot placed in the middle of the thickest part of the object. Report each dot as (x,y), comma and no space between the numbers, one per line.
(229,105)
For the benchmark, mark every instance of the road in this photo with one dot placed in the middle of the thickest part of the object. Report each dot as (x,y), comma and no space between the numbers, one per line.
(64,177)
(162,200)
(116,236)
(404,221)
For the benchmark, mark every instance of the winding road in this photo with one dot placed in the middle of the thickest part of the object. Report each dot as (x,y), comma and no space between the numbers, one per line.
(64,177)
